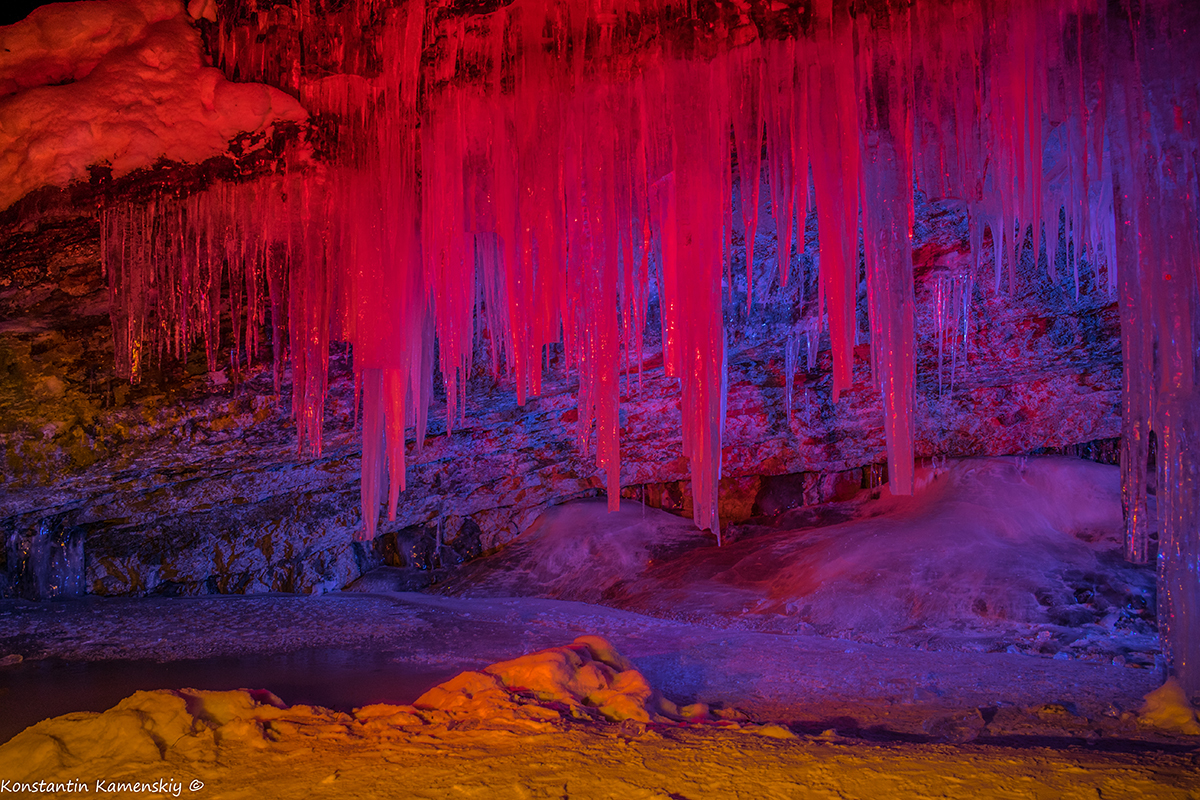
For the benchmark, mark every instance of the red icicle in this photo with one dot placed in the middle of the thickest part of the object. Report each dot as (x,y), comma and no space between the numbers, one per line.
(746,79)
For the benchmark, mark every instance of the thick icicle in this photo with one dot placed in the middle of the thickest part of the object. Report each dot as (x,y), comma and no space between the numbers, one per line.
(1154,143)
(746,79)
(886,66)
(782,96)
(834,132)
(698,123)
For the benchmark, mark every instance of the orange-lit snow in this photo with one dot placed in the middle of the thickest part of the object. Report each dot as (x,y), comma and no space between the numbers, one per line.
(1167,708)
(480,737)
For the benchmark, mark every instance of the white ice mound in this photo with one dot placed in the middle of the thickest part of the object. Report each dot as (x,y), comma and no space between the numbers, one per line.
(63,42)
(587,679)
(988,540)
(581,551)
(122,84)
(991,541)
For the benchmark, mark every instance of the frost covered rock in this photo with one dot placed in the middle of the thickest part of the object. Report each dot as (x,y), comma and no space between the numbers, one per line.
(137,90)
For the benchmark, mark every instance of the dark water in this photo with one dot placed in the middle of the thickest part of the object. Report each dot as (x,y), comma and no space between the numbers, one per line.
(340,679)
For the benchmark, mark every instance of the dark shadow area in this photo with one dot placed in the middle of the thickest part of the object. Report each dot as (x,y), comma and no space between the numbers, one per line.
(16,10)
(1103,745)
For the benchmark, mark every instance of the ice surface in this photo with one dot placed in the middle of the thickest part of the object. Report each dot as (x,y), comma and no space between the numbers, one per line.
(524,691)
(767,713)
(544,719)
(586,679)
(337,650)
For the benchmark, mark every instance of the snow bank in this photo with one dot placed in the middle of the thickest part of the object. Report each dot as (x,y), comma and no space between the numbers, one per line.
(147,728)
(989,540)
(65,41)
(588,679)
(139,92)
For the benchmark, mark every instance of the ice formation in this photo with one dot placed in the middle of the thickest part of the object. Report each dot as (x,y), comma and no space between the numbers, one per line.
(587,674)
(578,551)
(46,567)
(544,171)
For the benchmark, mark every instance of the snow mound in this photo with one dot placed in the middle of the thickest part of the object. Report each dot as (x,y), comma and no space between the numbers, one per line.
(987,541)
(65,41)
(588,674)
(983,543)
(587,679)
(1167,708)
(138,91)
(151,727)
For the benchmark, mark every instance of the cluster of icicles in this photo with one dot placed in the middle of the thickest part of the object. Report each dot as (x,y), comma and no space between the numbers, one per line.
(554,166)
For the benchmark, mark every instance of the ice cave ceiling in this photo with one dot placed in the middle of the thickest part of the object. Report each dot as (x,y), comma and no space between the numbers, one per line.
(501,255)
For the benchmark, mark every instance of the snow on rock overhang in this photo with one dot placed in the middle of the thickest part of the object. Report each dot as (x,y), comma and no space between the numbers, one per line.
(121,84)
